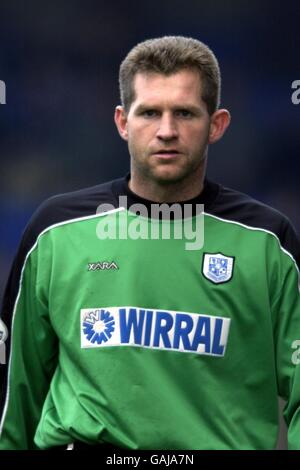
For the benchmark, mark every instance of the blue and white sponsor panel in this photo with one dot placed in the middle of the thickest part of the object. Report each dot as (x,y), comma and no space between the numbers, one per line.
(154,329)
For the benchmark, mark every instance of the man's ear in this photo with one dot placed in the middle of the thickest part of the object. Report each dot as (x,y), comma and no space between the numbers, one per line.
(219,122)
(121,122)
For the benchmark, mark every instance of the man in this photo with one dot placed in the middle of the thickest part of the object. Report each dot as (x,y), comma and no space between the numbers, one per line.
(141,343)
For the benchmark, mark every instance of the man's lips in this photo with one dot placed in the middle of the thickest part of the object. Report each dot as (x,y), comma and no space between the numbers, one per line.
(165,154)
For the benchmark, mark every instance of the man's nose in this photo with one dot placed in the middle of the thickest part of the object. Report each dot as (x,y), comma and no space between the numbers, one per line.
(167,129)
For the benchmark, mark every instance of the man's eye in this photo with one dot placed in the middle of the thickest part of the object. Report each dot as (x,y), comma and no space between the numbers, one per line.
(184,113)
(149,113)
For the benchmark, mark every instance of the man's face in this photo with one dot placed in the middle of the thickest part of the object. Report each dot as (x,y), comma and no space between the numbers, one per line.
(167,126)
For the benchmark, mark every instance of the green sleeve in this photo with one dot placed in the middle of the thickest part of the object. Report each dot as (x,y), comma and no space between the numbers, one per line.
(286,308)
(32,357)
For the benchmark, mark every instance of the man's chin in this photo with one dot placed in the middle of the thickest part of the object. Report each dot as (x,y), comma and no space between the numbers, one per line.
(168,175)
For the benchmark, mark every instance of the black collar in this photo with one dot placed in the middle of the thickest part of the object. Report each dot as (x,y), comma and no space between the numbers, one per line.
(207,196)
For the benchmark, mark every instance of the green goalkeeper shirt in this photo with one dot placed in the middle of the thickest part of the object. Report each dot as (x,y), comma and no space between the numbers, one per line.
(142,343)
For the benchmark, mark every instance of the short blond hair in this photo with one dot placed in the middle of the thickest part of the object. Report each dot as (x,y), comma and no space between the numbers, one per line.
(168,55)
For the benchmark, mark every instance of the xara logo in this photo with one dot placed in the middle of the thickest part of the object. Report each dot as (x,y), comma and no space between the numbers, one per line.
(102,265)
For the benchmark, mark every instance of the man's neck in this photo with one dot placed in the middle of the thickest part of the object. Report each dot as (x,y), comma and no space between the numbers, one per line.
(156,191)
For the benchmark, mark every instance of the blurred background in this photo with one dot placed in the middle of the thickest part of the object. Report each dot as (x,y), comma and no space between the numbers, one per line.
(60,61)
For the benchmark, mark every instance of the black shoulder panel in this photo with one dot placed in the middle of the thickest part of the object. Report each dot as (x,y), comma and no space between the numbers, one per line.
(52,211)
(239,207)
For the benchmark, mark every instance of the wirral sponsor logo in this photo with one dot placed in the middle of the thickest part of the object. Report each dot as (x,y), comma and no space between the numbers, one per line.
(154,329)
(217,267)
(102,265)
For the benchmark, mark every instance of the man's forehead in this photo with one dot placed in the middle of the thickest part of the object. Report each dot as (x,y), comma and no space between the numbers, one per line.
(149,84)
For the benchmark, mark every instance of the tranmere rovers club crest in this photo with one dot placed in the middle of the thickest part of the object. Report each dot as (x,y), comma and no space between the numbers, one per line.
(217,267)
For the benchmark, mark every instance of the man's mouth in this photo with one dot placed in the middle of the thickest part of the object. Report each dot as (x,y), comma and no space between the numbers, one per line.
(166,153)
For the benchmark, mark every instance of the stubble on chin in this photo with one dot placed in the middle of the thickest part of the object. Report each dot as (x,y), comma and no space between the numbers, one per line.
(164,175)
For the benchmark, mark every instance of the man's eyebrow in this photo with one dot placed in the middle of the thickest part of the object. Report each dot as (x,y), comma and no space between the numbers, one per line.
(143,107)
(189,107)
